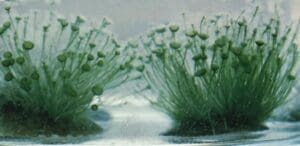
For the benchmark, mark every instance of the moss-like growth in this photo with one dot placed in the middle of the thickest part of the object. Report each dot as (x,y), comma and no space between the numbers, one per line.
(50,74)
(230,75)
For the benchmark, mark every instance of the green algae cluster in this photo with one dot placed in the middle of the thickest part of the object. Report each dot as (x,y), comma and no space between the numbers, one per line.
(224,74)
(51,69)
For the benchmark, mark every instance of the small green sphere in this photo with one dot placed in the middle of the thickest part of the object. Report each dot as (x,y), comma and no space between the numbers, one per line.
(100,54)
(28,45)
(100,63)
(94,107)
(7,54)
(259,43)
(8,76)
(92,45)
(62,58)
(203,36)
(25,84)
(35,75)
(175,45)
(90,57)
(140,68)
(224,56)
(63,22)
(291,77)
(20,60)
(6,24)
(86,67)
(7,9)
(74,28)
(160,30)
(173,28)
(191,34)
(8,62)
(97,90)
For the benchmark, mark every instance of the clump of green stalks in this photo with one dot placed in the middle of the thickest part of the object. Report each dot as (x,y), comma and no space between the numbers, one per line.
(50,72)
(222,75)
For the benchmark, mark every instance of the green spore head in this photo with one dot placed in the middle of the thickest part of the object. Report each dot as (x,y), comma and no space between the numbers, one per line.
(173,28)
(221,42)
(203,36)
(25,84)
(35,75)
(28,45)
(20,60)
(7,55)
(100,54)
(94,107)
(100,63)
(8,62)
(97,90)
(191,34)
(7,9)
(62,58)
(214,67)
(75,28)
(63,23)
(160,30)
(175,45)
(92,45)
(8,76)
(6,25)
(140,68)
(90,57)
(259,43)
(86,67)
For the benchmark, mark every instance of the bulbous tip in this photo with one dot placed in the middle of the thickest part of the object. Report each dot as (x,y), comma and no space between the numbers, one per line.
(94,107)
(63,22)
(62,58)
(90,57)
(7,8)
(175,45)
(203,36)
(7,55)
(291,77)
(74,28)
(20,60)
(92,45)
(97,90)
(6,24)
(160,30)
(259,43)
(86,67)
(35,75)
(28,45)
(100,54)
(191,34)
(173,28)
(8,62)
(100,63)
(8,76)
(140,68)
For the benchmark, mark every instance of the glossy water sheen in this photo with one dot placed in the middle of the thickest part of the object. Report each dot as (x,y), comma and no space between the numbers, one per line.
(135,125)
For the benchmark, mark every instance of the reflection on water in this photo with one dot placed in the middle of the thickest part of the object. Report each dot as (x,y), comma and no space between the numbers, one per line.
(131,125)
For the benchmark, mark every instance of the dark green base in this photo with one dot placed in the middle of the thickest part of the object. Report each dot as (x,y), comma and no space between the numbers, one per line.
(201,130)
(14,121)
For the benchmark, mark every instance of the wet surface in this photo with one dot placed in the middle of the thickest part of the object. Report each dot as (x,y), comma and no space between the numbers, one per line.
(136,125)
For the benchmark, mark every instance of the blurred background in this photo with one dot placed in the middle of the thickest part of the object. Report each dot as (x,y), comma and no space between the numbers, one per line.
(133,17)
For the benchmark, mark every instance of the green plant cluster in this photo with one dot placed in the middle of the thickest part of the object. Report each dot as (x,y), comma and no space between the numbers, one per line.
(222,75)
(50,73)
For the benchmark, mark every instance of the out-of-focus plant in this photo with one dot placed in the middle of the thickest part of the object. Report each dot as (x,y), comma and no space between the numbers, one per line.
(52,69)
(223,75)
